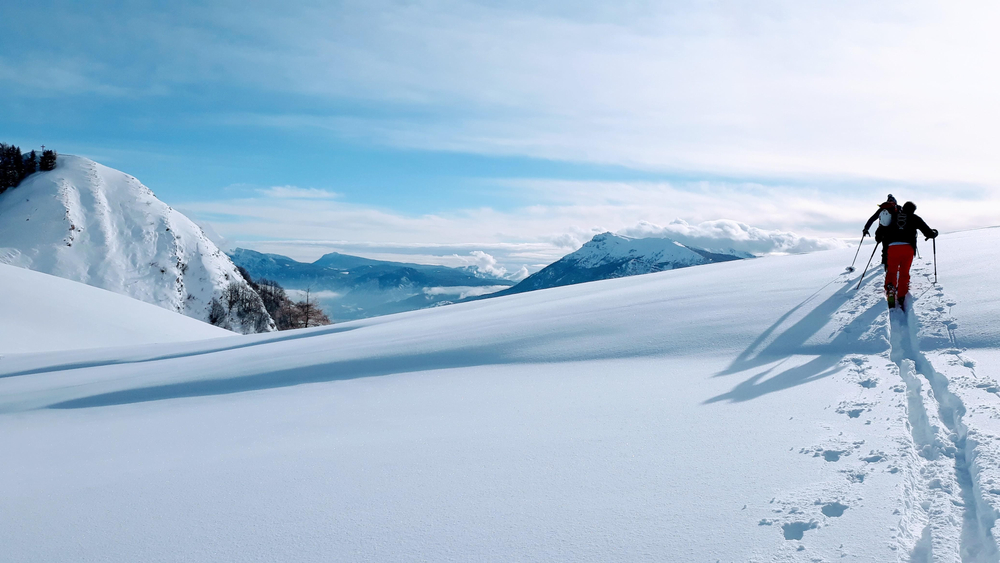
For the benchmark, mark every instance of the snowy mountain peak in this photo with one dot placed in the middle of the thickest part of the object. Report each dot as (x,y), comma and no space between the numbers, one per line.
(86,222)
(608,255)
(606,248)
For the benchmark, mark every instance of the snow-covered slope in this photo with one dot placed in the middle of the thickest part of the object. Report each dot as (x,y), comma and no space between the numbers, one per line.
(86,222)
(759,410)
(608,256)
(43,313)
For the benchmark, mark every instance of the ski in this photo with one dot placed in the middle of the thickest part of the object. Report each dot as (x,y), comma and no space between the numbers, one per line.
(890,295)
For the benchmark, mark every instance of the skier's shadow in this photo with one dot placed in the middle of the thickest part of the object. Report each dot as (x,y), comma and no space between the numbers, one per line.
(793,341)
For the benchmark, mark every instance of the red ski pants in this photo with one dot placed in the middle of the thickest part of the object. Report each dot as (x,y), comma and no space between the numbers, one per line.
(897,268)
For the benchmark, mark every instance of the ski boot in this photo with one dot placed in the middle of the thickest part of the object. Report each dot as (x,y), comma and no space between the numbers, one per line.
(890,295)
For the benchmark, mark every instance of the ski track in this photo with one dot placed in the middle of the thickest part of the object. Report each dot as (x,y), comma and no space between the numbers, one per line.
(958,518)
(948,484)
(868,457)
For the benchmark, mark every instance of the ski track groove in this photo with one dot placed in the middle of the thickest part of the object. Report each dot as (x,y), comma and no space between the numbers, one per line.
(973,542)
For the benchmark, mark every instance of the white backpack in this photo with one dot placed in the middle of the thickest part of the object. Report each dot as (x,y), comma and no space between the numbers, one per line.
(884,218)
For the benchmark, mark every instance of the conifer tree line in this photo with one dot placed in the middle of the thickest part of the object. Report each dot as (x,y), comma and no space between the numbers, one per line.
(15,166)
(240,300)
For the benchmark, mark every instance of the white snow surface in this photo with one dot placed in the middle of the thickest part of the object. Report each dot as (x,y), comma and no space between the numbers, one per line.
(43,313)
(759,410)
(89,223)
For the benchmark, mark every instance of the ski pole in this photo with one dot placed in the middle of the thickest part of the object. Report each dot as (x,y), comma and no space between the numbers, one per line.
(934,244)
(866,266)
(851,267)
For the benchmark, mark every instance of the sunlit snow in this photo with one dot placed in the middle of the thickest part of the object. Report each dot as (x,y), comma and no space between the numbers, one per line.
(758,410)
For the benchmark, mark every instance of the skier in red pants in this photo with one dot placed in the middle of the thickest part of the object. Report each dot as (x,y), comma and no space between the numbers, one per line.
(901,241)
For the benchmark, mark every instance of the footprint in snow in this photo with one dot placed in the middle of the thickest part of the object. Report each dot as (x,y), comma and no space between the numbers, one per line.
(853,409)
(833,455)
(795,530)
(868,382)
(874,457)
(833,509)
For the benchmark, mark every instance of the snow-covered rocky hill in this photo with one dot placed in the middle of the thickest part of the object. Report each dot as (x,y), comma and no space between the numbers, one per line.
(89,223)
(754,410)
(351,287)
(43,313)
(608,256)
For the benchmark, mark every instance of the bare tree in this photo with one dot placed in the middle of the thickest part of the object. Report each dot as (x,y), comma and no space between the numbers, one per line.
(242,305)
(217,313)
(308,314)
(241,302)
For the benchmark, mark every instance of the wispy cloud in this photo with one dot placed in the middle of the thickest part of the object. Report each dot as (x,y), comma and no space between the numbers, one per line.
(461,292)
(300,294)
(49,78)
(724,234)
(484,263)
(294,192)
(890,90)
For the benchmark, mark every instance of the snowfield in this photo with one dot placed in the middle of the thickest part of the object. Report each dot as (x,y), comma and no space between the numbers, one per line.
(43,313)
(758,410)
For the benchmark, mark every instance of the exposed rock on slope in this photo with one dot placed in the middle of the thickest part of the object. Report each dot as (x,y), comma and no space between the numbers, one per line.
(89,223)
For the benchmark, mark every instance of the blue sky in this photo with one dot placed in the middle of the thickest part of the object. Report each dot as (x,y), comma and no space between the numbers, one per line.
(432,129)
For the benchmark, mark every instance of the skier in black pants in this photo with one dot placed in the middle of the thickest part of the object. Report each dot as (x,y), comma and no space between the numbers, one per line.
(891,208)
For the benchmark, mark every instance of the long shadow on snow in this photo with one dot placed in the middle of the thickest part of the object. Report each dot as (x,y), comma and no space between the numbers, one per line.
(512,352)
(792,341)
(197,348)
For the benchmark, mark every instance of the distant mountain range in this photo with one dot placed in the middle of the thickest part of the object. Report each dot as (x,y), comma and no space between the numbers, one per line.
(608,256)
(351,287)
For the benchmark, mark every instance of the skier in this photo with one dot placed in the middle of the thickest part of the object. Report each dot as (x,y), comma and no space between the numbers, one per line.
(890,208)
(900,238)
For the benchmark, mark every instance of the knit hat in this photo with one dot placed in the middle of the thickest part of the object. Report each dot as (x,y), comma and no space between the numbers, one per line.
(890,198)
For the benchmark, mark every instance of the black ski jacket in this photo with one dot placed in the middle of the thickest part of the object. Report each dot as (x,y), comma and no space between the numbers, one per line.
(880,231)
(904,229)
